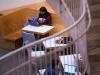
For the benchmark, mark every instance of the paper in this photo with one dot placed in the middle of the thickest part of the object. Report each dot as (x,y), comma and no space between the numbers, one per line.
(52,43)
(37,53)
(39,29)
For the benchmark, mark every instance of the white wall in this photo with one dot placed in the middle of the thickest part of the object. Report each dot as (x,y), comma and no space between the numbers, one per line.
(9,4)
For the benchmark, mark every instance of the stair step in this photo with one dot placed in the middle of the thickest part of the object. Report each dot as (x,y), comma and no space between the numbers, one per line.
(96,65)
(95,68)
(95,51)
(93,36)
(94,58)
(95,22)
(95,14)
(95,10)
(95,7)
(93,2)
(95,73)
(94,30)
(93,44)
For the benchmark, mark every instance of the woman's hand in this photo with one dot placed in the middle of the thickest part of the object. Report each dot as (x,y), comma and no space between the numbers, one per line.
(41,20)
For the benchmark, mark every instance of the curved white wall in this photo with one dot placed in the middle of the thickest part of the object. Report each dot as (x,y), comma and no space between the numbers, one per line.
(9,4)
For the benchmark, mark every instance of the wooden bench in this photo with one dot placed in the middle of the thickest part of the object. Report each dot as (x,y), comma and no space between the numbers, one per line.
(10,30)
(13,36)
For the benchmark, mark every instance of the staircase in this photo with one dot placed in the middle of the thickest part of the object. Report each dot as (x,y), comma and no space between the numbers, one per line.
(73,53)
(94,37)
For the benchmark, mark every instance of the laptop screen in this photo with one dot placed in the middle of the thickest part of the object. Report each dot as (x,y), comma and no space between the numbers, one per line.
(69,69)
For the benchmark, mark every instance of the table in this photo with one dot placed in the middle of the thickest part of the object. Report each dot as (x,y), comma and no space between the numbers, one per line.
(51,43)
(43,29)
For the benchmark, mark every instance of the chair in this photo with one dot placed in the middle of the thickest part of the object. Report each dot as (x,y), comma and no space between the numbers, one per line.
(27,37)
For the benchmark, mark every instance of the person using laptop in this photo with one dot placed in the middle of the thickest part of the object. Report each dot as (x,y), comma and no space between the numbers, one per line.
(44,17)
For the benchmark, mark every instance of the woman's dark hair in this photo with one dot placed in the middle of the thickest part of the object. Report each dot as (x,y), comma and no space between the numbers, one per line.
(46,13)
(54,63)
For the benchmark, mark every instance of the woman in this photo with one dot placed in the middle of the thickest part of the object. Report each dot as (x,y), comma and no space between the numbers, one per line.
(44,17)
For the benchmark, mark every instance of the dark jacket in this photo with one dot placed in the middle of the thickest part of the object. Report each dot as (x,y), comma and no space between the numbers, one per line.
(51,71)
(47,20)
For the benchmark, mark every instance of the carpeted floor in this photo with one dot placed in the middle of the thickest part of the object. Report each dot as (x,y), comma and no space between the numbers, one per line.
(3,52)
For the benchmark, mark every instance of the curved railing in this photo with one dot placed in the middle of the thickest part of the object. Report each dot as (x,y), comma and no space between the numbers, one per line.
(19,62)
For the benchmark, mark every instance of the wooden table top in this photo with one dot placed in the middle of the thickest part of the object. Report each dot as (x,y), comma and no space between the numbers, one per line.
(44,29)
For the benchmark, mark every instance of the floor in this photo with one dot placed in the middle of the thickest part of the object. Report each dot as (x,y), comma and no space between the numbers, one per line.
(3,52)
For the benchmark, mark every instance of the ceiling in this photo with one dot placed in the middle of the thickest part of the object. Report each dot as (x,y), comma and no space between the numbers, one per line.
(10,4)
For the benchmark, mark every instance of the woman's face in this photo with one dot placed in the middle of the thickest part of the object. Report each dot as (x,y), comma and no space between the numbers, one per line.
(42,12)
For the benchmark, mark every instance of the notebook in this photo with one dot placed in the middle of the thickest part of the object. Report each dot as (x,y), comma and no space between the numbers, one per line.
(32,21)
(69,69)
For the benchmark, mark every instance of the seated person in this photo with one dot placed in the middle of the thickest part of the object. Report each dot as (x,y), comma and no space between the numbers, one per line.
(44,17)
(53,68)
